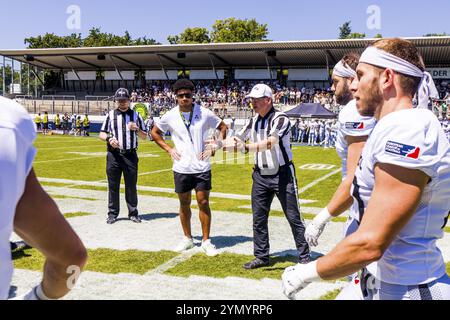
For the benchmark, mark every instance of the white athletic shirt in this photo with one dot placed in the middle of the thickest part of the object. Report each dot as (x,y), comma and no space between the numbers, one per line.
(17,134)
(412,139)
(351,123)
(204,121)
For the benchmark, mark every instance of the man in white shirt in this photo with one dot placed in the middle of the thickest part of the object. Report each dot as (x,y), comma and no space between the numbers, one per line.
(354,129)
(401,188)
(28,210)
(189,125)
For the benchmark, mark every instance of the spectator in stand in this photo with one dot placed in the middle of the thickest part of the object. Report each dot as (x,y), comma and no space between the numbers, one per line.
(86,125)
(57,122)
(65,123)
(38,122)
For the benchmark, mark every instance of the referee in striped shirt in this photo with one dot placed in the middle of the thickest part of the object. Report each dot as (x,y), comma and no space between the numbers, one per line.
(120,131)
(269,133)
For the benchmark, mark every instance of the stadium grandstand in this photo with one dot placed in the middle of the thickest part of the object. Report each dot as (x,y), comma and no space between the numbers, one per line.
(298,72)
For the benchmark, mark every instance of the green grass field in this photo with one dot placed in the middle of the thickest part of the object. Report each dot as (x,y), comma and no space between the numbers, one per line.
(82,158)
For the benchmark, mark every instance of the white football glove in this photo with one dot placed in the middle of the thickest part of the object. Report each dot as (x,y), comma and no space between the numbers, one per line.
(291,283)
(313,232)
(298,277)
(316,227)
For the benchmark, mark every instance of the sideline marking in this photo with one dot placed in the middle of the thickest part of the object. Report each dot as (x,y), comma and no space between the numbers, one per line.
(312,184)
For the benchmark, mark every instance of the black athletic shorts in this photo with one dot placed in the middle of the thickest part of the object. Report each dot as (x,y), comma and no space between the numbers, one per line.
(45,126)
(186,182)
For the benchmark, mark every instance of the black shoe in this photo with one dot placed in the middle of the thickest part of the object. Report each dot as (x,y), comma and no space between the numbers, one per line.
(256,263)
(111,220)
(305,260)
(135,219)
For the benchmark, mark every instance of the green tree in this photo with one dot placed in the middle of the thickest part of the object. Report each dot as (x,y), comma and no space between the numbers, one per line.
(191,35)
(237,30)
(95,38)
(378,36)
(345,30)
(356,35)
(50,40)
(436,35)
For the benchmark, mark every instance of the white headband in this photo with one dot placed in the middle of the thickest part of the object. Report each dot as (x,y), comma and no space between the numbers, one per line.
(383,59)
(343,71)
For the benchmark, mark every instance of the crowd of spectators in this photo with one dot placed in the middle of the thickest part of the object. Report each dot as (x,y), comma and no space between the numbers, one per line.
(211,94)
(217,94)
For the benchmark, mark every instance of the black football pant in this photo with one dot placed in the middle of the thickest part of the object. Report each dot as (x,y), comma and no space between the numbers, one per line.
(116,164)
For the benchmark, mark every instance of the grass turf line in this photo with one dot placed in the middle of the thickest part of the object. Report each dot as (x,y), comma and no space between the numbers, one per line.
(218,204)
(76,214)
(102,260)
(230,265)
(61,196)
(331,295)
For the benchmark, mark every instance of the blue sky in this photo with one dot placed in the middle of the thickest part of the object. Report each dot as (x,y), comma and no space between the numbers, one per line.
(286,19)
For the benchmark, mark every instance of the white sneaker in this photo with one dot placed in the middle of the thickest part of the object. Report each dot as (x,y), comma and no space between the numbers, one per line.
(208,248)
(185,244)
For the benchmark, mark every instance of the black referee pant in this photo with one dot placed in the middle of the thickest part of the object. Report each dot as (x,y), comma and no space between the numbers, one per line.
(116,163)
(284,186)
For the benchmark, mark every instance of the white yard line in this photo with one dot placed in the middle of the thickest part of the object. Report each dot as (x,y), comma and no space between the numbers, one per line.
(174,261)
(69,159)
(170,169)
(72,147)
(312,184)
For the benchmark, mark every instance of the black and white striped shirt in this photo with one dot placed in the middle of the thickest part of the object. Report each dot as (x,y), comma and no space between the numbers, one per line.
(116,125)
(276,124)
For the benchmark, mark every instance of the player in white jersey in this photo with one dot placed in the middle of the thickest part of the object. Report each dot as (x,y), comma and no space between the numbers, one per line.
(313,126)
(327,141)
(28,210)
(352,134)
(302,130)
(401,187)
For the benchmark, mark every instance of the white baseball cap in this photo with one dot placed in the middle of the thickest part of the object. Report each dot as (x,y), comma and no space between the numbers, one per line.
(259,91)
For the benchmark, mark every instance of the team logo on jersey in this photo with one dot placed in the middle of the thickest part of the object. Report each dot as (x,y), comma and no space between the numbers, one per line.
(402,149)
(354,125)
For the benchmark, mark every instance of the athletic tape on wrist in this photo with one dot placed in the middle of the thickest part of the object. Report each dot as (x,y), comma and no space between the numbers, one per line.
(40,293)
(323,216)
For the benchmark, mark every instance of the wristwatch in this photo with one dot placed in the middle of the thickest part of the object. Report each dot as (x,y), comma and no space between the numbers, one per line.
(244,149)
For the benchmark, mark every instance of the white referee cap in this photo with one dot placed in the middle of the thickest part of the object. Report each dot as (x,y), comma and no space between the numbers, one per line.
(259,91)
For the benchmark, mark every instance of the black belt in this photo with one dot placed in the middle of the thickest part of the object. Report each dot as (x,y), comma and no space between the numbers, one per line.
(122,151)
(284,166)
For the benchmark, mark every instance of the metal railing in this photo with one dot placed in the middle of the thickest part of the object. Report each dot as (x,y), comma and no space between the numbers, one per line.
(99,105)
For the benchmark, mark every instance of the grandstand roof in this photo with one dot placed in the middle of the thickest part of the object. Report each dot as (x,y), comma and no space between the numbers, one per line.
(435,50)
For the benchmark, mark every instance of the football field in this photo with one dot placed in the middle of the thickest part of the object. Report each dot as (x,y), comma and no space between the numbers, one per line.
(137,261)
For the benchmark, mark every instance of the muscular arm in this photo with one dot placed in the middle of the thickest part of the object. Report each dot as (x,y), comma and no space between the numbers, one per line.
(40,223)
(157,137)
(342,198)
(102,136)
(142,134)
(383,219)
(264,145)
(223,130)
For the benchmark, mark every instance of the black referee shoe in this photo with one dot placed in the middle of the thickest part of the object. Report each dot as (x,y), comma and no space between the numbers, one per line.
(305,260)
(256,263)
(135,219)
(111,220)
